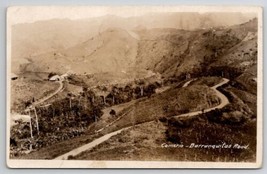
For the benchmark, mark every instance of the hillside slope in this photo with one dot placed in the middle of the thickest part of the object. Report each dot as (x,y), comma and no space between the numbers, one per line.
(29,39)
(112,50)
(174,53)
(168,51)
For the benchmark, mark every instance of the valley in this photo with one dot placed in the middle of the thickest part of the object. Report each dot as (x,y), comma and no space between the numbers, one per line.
(123,88)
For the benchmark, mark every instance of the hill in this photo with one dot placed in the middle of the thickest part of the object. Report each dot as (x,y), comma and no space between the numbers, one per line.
(112,50)
(43,36)
(169,51)
(174,52)
(127,52)
(29,39)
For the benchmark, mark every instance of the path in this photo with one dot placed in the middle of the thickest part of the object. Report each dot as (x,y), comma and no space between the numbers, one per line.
(118,108)
(133,34)
(105,121)
(162,89)
(49,96)
(90,145)
(187,83)
(26,118)
(74,152)
(223,101)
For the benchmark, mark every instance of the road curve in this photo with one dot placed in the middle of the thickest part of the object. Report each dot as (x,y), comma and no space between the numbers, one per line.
(187,83)
(26,118)
(51,95)
(74,152)
(223,101)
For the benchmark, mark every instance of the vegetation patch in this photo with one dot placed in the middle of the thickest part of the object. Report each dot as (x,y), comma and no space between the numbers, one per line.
(215,128)
(169,103)
(209,81)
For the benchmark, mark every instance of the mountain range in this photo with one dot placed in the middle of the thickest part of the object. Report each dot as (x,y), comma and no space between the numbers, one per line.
(171,43)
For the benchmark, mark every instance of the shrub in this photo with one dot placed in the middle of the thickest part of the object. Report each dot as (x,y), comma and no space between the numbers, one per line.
(163,119)
(71,157)
(173,135)
(112,112)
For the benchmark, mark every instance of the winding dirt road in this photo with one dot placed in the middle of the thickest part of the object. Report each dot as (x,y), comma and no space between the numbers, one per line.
(51,95)
(74,152)
(223,101)
(187,83)
(26,118)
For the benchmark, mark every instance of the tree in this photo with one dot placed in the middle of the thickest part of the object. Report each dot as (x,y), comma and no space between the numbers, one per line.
(129,91)
(114,93)
(141,83)
(85,89)
(96,112)
(150,89)
(28,103)
(112,112)
(137,91)
(91,96)
(70,96)
(13,142)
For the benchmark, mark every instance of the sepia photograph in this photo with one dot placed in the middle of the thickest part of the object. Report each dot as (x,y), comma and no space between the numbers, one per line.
(134,87)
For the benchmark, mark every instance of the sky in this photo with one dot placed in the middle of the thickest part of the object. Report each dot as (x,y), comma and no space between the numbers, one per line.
(30,14)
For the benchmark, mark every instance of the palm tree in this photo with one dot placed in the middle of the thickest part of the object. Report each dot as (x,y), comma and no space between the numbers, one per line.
(129,91)
(69,96)
(114,92)
(85,95)
(80,100)
(105,91)
(141,83)
(29,112)
(91,95)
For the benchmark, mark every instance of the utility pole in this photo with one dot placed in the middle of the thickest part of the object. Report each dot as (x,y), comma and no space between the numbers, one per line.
(30,123)
(36,120)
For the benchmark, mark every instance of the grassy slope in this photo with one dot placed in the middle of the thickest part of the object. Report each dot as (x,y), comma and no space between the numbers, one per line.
(192,98)
(143,142)
(111,50)
(209,81)
(247,98)
(23,90)
(169,103)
